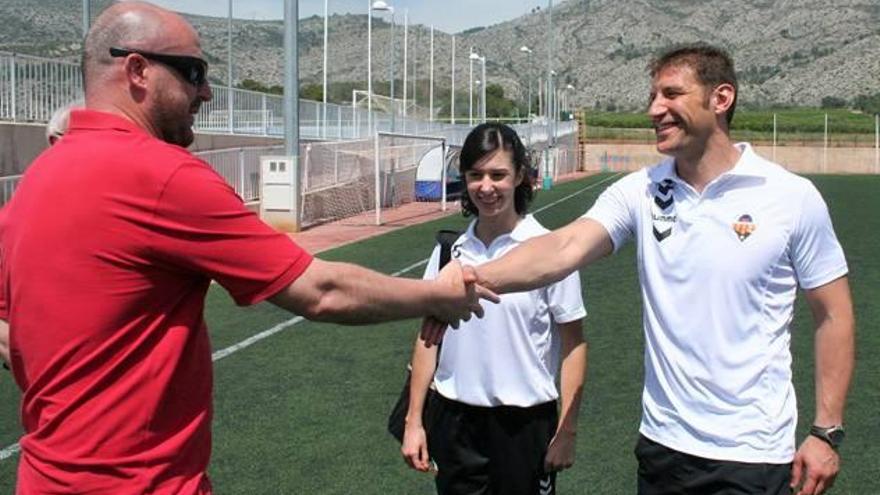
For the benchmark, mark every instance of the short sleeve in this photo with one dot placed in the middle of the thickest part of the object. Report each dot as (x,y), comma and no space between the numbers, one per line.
(815,251)
(614,212)
(201,225)
(433,267)
(565,299)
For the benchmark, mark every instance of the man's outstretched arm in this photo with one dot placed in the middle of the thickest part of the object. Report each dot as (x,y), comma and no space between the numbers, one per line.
(816,464)
(4,342)
(549,258)
(350,294)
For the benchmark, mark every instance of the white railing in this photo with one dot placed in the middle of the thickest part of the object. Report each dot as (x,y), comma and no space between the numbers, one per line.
(7,187)
(32,88)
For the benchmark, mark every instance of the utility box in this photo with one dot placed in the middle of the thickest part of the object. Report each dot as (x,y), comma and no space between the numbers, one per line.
(279,198)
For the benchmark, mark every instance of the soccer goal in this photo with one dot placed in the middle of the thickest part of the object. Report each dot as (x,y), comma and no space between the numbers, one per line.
(345,179)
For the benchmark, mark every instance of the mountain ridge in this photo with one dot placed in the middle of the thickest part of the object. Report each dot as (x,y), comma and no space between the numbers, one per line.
(787,52)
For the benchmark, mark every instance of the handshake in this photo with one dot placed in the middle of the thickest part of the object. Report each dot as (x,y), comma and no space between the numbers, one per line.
(459,293)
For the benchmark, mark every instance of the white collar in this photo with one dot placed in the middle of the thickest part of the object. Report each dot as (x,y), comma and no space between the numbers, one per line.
(525,229)
(748,165)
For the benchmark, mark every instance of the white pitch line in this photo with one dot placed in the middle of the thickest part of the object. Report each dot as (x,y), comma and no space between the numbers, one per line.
(566,198)
(9,451)
(222,353)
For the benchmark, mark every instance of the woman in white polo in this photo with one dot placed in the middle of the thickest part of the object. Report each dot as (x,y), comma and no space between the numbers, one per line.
(497,429)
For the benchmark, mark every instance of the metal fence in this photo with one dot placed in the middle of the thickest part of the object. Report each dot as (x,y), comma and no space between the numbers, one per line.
(240,167)
(339,177)
(815,144)
(31,88)
(7,187)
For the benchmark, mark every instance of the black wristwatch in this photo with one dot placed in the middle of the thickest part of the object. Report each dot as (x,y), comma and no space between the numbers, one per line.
(832,435)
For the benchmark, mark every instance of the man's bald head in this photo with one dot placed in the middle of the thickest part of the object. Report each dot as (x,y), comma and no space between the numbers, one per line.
(150,78)
(136,25)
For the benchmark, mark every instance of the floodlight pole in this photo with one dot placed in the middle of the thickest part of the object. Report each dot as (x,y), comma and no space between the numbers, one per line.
(528,52)
(324,90)
(229,101)
(471,88)
(550,85)
(548,98)
(86,17)
(405,46)
(291,100)
(369,66)
(391,73)
(452,96)
(431,81)
(483,87)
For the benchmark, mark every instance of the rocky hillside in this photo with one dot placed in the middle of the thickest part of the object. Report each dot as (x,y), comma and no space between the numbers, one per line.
(787,51)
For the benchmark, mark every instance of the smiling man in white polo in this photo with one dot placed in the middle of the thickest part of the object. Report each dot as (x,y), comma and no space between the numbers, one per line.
(724,239)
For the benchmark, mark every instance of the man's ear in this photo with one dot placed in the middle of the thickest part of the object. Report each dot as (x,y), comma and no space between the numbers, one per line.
(723,97)
(136,70)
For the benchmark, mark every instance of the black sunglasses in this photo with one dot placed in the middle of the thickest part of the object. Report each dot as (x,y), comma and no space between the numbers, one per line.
(193,69)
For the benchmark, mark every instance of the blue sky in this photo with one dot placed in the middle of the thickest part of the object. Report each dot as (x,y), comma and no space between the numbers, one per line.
(447,15)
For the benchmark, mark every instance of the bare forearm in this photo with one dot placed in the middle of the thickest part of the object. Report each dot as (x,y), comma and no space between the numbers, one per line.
(546,259)
(571,382)
(832,310)
(835,349)
(349,294)
(424,363)
(4,342)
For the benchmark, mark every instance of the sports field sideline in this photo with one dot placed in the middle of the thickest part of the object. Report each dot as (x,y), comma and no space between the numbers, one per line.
(303,410)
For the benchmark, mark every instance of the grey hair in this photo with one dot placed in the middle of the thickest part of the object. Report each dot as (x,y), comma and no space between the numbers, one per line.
(57,125)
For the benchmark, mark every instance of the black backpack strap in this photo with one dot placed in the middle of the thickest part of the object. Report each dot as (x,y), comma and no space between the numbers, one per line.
(446,238)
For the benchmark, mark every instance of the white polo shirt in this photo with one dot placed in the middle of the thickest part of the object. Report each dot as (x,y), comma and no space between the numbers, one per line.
(719,272)
(510,356)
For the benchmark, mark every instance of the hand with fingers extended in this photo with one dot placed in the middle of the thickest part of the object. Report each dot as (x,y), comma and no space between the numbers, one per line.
(432,331)
(461,294)
(560,452)
(415,448)
(814,468)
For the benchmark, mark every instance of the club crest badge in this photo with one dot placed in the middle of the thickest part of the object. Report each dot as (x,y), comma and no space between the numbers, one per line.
(663,210)
(744,227)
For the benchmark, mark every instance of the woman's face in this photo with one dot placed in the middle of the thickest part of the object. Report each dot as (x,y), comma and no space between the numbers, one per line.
(491,184)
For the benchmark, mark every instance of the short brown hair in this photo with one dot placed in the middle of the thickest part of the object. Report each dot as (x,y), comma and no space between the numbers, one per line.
(712,66)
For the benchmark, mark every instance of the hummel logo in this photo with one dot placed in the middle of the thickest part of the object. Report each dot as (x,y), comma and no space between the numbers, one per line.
(546,485)
(662,235)
(663,204)
(664,199)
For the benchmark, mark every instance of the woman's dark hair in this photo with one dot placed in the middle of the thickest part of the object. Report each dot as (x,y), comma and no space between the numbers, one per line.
(482,142)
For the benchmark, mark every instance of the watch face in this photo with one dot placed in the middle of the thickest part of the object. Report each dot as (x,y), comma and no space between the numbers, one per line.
(836,436)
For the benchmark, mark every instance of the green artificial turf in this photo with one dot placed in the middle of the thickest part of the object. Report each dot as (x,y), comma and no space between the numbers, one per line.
(304,410)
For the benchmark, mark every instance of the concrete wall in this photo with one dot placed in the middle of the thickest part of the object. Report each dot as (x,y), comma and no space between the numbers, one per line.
(799,159)
(21,143)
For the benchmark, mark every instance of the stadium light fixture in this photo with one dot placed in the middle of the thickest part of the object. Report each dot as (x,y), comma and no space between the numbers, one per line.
(371,6)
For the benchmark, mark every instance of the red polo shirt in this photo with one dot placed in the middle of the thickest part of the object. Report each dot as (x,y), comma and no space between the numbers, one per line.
(107,250)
